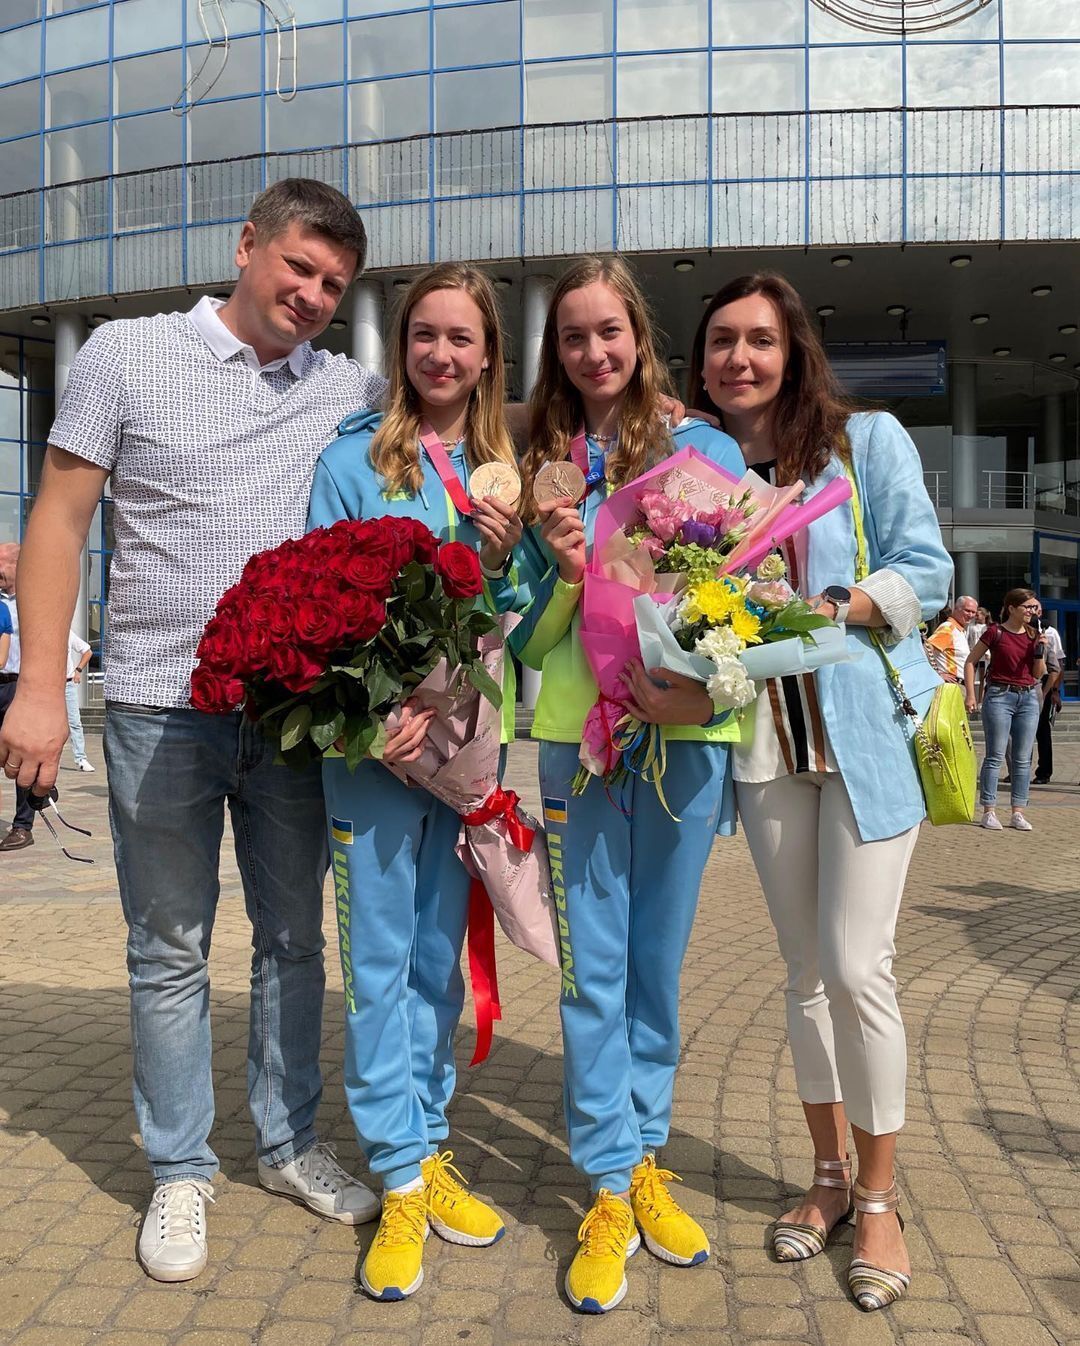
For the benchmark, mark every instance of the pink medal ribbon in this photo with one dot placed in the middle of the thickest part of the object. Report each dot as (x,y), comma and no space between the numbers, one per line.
(579,452)
(440,460)
(579,456)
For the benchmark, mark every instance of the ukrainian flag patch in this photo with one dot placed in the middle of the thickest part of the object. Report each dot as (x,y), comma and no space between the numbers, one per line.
(554,810)
(341,830)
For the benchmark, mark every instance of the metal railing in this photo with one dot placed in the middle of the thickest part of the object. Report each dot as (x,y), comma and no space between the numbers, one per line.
(938,489)
(1030,491)
(738,180)
(1010,490)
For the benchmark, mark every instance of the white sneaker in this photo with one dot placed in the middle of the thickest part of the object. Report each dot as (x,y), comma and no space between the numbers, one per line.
(84,765)
(992,821)
(319,1182)
(1021,823)
(172,1240)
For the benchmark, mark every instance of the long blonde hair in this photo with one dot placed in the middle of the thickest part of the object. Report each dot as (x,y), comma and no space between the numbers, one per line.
(555,407)
(395,446)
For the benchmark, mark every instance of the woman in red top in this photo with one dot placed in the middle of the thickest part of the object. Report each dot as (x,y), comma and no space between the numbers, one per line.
(1010,705)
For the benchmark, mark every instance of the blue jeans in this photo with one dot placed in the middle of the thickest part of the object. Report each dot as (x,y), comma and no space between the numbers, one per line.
(1008,711)
(171,773)
(75,730)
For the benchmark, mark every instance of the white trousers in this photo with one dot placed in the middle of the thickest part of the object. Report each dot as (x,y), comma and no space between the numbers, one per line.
(834,900)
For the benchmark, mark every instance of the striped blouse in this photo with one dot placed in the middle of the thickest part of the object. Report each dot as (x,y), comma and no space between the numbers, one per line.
(786,735)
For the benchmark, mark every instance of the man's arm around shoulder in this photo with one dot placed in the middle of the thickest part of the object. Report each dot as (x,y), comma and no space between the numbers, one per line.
(35,727)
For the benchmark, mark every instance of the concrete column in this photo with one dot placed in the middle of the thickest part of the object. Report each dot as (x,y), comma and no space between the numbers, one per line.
(1050,446)
(535,299)
(365,303)
(1050,454)
(963,408)
(966,580)
(70,331)
(536,296)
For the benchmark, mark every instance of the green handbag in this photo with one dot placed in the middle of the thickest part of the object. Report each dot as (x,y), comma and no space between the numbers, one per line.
(944,752)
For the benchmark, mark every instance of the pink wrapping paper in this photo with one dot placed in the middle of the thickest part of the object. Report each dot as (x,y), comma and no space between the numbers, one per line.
(608,625)
(459,765)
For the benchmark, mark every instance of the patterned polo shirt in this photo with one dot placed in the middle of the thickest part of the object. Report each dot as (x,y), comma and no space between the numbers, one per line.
(211,456)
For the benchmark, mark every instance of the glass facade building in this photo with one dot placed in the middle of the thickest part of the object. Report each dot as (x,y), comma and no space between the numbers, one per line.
(730,133)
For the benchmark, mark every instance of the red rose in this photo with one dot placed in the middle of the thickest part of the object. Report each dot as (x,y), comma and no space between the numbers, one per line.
(294,668)
(369,537)
(261,569)
(222,645)
(459,569)
(327,589)
(403,531)
(262,609)
(213,693)
(425,543)
(233,600)
(317,624)
(363,615)
(371,574)
(281,618)
(257,646)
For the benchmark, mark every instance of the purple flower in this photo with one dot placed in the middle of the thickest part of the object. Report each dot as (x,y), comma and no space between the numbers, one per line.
(694,531)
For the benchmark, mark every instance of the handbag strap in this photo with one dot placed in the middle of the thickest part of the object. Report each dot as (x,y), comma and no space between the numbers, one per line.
(862,569)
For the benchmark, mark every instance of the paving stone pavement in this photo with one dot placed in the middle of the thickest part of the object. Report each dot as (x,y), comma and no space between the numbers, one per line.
(989,951)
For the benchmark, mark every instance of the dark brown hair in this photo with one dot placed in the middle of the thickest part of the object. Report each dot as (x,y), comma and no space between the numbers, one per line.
(811,410)
(1016,598)
(314,205)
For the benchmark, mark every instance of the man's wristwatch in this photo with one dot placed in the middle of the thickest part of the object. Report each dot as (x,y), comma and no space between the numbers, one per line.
(840,598)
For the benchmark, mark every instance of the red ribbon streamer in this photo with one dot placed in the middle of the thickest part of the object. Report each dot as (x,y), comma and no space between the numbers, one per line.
(502,804)
(483,974)
(611,712)
(482,971)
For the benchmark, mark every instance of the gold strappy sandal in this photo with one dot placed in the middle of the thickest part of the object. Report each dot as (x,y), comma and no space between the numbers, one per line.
(796,1242)
(873,1287)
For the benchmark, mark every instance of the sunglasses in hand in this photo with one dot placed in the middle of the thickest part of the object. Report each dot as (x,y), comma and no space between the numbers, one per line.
(40,803)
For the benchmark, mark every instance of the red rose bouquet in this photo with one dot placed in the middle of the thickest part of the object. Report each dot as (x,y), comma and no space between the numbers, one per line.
(324,635)
(321,640)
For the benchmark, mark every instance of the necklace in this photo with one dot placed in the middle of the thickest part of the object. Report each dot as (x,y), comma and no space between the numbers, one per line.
(603,439)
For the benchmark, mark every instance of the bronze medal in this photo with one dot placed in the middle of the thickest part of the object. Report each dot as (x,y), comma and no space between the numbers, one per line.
(557,480)
(499,480)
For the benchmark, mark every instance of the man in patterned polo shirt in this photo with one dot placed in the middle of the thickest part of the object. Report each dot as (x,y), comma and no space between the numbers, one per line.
(209,424)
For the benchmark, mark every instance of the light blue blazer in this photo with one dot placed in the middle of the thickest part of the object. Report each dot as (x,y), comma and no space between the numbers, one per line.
(870,736)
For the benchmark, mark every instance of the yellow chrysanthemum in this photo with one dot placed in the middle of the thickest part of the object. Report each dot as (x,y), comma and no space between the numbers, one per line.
(746,626)
(712,601)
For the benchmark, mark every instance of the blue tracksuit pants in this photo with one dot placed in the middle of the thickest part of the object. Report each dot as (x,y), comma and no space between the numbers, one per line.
(629,890)
(402,899)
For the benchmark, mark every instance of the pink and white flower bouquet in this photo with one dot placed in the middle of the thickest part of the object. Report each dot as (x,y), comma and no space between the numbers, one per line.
(684,540)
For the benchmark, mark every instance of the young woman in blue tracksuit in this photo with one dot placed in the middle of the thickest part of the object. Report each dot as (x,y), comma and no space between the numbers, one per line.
(626,883)
(827,786)
(402,892)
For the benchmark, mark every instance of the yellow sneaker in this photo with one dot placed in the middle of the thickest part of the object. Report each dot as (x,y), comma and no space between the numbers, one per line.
(669,1232)
(453,1212)
(392,1268)
(596,1280)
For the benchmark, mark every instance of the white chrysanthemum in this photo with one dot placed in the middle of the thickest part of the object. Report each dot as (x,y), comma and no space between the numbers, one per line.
(719,643)
(729,687)
(772,568)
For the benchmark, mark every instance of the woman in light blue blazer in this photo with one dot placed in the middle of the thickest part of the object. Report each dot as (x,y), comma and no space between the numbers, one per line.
(825,778)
